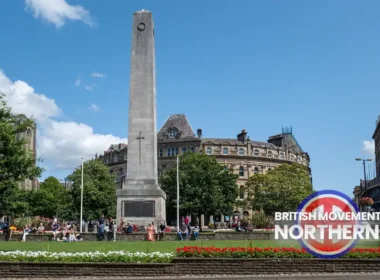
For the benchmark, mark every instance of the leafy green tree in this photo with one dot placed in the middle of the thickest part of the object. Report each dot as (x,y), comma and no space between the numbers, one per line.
(50,200)
(17,163)
(282,189)
(205,186)
(99,192)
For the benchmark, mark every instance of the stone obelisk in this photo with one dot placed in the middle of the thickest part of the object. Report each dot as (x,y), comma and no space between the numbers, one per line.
(141,200)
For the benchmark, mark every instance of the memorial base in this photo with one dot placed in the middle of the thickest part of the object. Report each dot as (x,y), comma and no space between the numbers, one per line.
(141,206)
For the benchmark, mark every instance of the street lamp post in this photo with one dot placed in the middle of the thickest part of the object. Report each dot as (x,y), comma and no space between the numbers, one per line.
(81,201)
(177,194)
(365,175)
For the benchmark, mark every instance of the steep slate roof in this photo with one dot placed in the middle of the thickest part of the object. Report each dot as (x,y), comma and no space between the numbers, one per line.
(180,122)
(237,142)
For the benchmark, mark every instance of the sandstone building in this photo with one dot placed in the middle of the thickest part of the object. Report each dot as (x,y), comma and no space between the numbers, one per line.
(31,136)
(242,155)
(373,186)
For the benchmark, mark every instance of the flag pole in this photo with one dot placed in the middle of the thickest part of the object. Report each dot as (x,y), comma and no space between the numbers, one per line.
(81,201)
(177,194)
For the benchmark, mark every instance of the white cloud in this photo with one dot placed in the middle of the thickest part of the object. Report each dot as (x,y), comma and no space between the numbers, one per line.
(369,148)
(58,12)
(89,87)
(98,75)
(77,82)
(61,144)
(23,100)
(94,108)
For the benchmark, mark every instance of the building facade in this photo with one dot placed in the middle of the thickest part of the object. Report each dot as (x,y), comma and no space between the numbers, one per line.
(242,155)
(372,186)
(31,144)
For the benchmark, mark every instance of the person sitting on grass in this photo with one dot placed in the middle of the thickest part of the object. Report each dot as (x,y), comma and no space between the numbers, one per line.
(72,236)
(183,232)
(196,231)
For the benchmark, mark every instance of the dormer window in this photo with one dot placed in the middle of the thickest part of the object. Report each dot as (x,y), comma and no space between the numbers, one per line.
(173,132)
(256,152)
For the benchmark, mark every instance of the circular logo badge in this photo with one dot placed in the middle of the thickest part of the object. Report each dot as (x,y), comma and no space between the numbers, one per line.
(329,211)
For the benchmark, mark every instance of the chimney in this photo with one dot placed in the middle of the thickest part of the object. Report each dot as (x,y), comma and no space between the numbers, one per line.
(199,133)
(242,136)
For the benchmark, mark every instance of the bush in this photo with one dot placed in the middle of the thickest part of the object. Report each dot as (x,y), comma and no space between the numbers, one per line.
(250,252)
(261,220)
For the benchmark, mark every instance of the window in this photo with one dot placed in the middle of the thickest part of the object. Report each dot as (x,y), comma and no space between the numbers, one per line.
(209,150)
(159,172)
(269,168)
(241,152)
(225,151)
(192,148)
(172,152)
(115,158)
(256,170)
(299,159)
(241,171)
(184,150)
(241,192)
(226,167)
(282,155)
(270,154)
(256,152)
(173,133)
(160,153)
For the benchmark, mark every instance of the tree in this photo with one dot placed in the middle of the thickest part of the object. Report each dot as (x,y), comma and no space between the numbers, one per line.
(282,189)
(17,163)
(99,192)
(205,186)
(50,199)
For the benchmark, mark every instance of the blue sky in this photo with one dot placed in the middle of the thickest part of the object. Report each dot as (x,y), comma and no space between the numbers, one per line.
(228,65)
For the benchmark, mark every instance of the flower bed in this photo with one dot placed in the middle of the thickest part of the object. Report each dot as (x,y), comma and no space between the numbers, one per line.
(250,252)
(110,257)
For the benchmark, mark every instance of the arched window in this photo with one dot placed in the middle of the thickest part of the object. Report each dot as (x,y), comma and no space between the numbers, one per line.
(282,155)
(270,154)
(241,192)
(256,152)
(241,152)
(245,214)
(241,171)
(256,171)
(225,151)
(209,150)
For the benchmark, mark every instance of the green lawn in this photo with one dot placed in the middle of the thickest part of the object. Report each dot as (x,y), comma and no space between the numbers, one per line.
(144,246)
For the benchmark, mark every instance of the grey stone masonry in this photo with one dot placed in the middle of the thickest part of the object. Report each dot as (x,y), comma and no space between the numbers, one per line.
(141,200)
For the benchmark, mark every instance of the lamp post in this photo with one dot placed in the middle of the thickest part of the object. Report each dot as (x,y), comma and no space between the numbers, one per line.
(81,201)
(177,194)
(365,175)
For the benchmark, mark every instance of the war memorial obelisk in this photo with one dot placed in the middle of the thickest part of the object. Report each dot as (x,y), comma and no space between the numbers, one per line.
(141,200)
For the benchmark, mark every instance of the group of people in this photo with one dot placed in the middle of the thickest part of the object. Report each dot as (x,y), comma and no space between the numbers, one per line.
(152,232)
(185,231)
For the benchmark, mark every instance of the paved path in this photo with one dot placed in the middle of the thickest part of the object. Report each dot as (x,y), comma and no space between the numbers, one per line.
(321,276)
